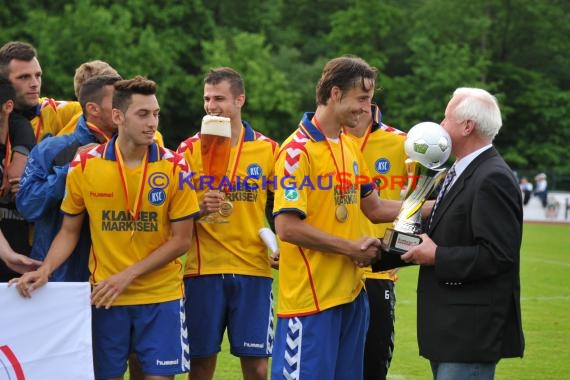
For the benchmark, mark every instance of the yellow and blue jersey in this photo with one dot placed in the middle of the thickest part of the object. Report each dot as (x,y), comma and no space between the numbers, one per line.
(309,185)
(119,239)
(52,116)
(234,247)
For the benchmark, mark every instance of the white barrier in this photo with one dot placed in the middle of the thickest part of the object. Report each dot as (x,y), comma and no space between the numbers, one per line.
(47,337)
(557,210)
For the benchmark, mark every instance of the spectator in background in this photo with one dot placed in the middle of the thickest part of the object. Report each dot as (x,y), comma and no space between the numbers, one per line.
(541,189)
(526,189)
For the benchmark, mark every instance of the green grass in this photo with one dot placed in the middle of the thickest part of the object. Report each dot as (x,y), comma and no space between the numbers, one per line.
(545,302)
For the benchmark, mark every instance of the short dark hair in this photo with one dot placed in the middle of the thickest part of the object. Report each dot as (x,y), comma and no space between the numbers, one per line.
(21,51)
(124,90)
(345,72)
(92,89)
(219,74)
(7,91)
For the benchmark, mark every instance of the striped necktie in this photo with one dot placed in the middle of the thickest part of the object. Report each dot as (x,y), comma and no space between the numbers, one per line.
(446,183)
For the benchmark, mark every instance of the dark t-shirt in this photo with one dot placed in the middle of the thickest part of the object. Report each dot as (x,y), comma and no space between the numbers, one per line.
(14,228)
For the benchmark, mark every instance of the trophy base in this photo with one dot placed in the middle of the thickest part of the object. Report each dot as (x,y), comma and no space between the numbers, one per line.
(398,242)
(393,245)
(213,218)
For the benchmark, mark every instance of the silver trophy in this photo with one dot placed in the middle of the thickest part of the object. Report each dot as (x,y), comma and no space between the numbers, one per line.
(428,145)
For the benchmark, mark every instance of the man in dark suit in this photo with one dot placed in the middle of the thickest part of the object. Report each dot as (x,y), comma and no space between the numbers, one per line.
(469,287)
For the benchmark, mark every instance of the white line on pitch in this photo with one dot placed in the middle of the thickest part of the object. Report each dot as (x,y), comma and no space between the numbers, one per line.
(553,262)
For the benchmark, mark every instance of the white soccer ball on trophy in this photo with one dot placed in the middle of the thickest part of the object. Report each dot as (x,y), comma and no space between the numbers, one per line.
(429,144)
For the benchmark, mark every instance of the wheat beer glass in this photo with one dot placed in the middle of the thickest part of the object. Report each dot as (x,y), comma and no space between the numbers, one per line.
(215,138)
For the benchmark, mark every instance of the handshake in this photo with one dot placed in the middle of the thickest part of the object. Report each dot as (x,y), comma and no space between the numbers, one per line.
(372,251)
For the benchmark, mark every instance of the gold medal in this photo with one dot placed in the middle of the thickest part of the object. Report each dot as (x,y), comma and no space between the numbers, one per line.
(226,208)
(341,213)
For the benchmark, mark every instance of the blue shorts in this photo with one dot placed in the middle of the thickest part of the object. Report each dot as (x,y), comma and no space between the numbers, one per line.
(155,332)
(325,345)
(243,304)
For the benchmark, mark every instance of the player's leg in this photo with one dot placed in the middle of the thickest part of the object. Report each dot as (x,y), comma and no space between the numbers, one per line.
(254,368)
(135,369)
(203,368)
(380,336)
(250,322)
(354,324)
(160,339)
(205,306)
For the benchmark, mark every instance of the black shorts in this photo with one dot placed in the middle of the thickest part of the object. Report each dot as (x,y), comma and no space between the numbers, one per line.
(380,338)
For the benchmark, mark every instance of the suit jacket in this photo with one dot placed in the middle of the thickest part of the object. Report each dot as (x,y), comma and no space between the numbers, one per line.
(469,301)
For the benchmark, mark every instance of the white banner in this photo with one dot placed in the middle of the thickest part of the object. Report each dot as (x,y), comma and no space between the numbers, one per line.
(48,336)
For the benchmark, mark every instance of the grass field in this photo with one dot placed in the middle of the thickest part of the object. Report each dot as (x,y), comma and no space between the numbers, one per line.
(545,301)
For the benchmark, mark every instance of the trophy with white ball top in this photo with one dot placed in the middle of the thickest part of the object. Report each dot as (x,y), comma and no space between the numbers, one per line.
(428,146)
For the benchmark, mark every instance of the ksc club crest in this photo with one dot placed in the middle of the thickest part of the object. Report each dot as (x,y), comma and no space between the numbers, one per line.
(158,182)
(382,166)
(254,171)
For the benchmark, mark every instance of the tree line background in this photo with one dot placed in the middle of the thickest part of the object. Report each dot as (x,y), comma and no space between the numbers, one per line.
(424,49)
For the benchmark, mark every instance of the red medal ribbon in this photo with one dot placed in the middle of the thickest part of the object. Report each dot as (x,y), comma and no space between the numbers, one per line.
(332,154)
(138,198)
(237,157)
(97,131)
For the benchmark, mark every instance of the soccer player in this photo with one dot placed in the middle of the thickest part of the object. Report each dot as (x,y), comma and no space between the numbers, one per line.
(83,72)
(322,309)
(19,64)
(383,149)
(16,140)
(42,185)
(228,275)
(141,221)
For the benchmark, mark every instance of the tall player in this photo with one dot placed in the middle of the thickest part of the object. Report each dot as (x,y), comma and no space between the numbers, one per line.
(228,275)
(19,64)
(141,221)
(322,310)
(383,149)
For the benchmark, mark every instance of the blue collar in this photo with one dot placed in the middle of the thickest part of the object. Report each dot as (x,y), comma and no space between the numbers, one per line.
(309,129)
(376,118)
(109,152)
(249,134)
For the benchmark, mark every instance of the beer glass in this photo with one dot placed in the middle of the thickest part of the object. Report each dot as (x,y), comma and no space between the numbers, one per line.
(215,138)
